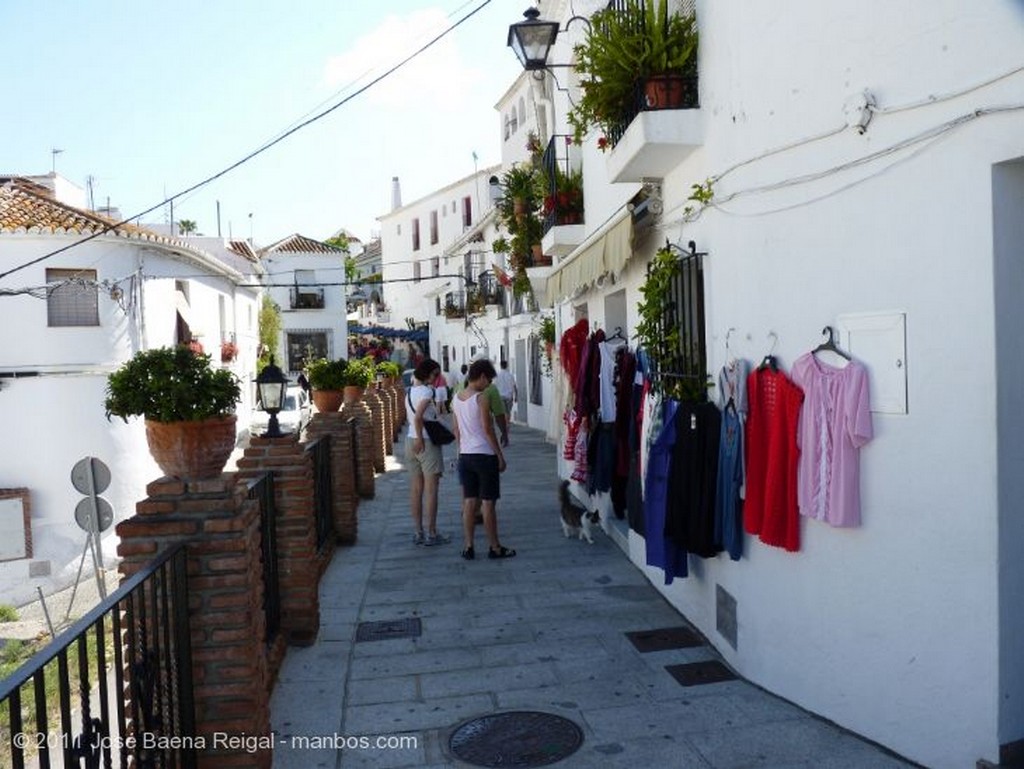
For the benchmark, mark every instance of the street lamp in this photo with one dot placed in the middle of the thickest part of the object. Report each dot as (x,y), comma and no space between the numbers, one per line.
(272,386)
(532,39)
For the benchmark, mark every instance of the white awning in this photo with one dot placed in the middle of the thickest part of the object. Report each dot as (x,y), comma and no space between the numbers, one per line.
(606,250)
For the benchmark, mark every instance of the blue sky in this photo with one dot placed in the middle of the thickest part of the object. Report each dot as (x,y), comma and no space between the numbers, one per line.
(150,98)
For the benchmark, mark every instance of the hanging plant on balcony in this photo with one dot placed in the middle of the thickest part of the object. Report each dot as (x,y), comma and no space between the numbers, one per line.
(523,188)
(625,50)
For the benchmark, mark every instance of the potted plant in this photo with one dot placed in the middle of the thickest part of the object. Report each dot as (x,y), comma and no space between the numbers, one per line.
(565,201)
(228,351)
(546,333)
(359,374)
(188,406)
(638,52)
(327,378)
(390,371)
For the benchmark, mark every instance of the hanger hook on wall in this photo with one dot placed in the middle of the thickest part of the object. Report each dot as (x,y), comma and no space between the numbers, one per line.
(775,342)
(727,335)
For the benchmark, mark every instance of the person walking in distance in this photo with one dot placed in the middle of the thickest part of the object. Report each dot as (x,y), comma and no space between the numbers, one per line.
(481,460)
(423,457)
(506,385)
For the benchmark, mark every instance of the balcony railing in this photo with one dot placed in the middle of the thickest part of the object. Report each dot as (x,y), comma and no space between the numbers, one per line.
(306,298)
(454,305)
(642,102)
(562,163)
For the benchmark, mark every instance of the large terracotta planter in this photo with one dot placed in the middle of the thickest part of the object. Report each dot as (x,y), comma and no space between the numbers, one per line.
(192,450)
(353,393)
(327,400)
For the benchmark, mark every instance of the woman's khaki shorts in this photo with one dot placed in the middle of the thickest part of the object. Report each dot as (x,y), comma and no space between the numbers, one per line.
(430,462)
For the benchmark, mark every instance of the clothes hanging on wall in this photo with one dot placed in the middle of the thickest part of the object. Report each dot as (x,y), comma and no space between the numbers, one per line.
(693,477)
(661,551)
(728,505)
(834,425)
(770,510)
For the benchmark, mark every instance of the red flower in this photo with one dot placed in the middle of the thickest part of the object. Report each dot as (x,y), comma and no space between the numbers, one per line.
(602,143)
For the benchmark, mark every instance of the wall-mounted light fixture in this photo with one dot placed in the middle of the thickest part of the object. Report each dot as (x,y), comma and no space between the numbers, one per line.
(532,39)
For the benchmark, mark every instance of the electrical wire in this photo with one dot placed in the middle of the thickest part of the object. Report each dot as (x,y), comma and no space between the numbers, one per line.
(259,151)
(945,97)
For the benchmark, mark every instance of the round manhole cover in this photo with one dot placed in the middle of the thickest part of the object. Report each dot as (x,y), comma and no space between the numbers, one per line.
(519,738)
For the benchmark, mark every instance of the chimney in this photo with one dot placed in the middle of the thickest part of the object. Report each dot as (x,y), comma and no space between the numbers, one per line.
(396,194)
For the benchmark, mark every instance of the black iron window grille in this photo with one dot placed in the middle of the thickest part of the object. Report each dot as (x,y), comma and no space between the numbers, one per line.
(683,372)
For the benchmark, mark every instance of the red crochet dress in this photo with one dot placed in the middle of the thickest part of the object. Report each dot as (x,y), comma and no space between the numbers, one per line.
(770,509)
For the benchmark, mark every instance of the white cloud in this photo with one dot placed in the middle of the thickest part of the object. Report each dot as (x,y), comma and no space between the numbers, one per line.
(438,77)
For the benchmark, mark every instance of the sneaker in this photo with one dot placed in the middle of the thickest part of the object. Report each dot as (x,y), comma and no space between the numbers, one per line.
(418,538)
(436,539)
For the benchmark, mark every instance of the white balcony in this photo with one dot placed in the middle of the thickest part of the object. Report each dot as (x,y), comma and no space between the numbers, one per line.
(655,143)
(562,239)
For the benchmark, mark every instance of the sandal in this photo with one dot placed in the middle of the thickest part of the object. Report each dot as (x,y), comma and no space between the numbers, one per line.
(468,554)
(501,552)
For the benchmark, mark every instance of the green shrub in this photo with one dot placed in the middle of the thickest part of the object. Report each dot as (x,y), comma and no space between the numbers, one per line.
(326,374)
(171,384)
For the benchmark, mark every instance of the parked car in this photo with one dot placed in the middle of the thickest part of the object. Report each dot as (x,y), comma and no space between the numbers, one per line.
(292,418)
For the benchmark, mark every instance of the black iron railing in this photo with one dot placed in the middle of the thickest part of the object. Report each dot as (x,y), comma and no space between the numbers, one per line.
(113,689)
(351,424)
(322,489)
(261,489)
(563,203)
(684,374)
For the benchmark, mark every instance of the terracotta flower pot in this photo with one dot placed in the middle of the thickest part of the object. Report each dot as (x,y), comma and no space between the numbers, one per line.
(327,400)
(353,393)
(192,450)
(665,92)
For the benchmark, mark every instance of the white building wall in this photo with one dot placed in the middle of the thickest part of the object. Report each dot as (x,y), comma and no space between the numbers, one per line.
(52,411)
(409,298)
(893,629)
(328,271)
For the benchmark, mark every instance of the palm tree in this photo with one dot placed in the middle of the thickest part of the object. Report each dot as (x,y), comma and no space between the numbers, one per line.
(187,226)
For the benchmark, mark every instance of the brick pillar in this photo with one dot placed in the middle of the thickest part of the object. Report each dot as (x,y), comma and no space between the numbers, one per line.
(343,473)
(396,404)
(388,419)
(373,400)
(400,394)
(298,563)
(360,412)
(225,587)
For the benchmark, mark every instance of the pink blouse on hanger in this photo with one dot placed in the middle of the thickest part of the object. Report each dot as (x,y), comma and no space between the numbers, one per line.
(835,422)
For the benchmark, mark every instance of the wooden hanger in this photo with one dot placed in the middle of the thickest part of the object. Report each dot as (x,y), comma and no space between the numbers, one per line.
(830,345)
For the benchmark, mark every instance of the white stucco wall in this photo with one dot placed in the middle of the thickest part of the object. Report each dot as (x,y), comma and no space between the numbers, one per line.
(52,411)
(904,629)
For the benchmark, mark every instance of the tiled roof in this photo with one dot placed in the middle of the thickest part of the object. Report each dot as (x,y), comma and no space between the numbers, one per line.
(243,249)
(300,244)
(24,209)
(25,206)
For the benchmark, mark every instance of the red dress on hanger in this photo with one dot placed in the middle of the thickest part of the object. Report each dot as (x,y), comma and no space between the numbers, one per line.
(770,510)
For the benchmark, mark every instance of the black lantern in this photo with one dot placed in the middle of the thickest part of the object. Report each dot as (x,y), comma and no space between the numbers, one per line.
(532,39)
(272,386)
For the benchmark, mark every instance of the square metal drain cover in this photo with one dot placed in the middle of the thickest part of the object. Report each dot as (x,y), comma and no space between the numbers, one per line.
(700,673)
(386,629)
(664,638)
